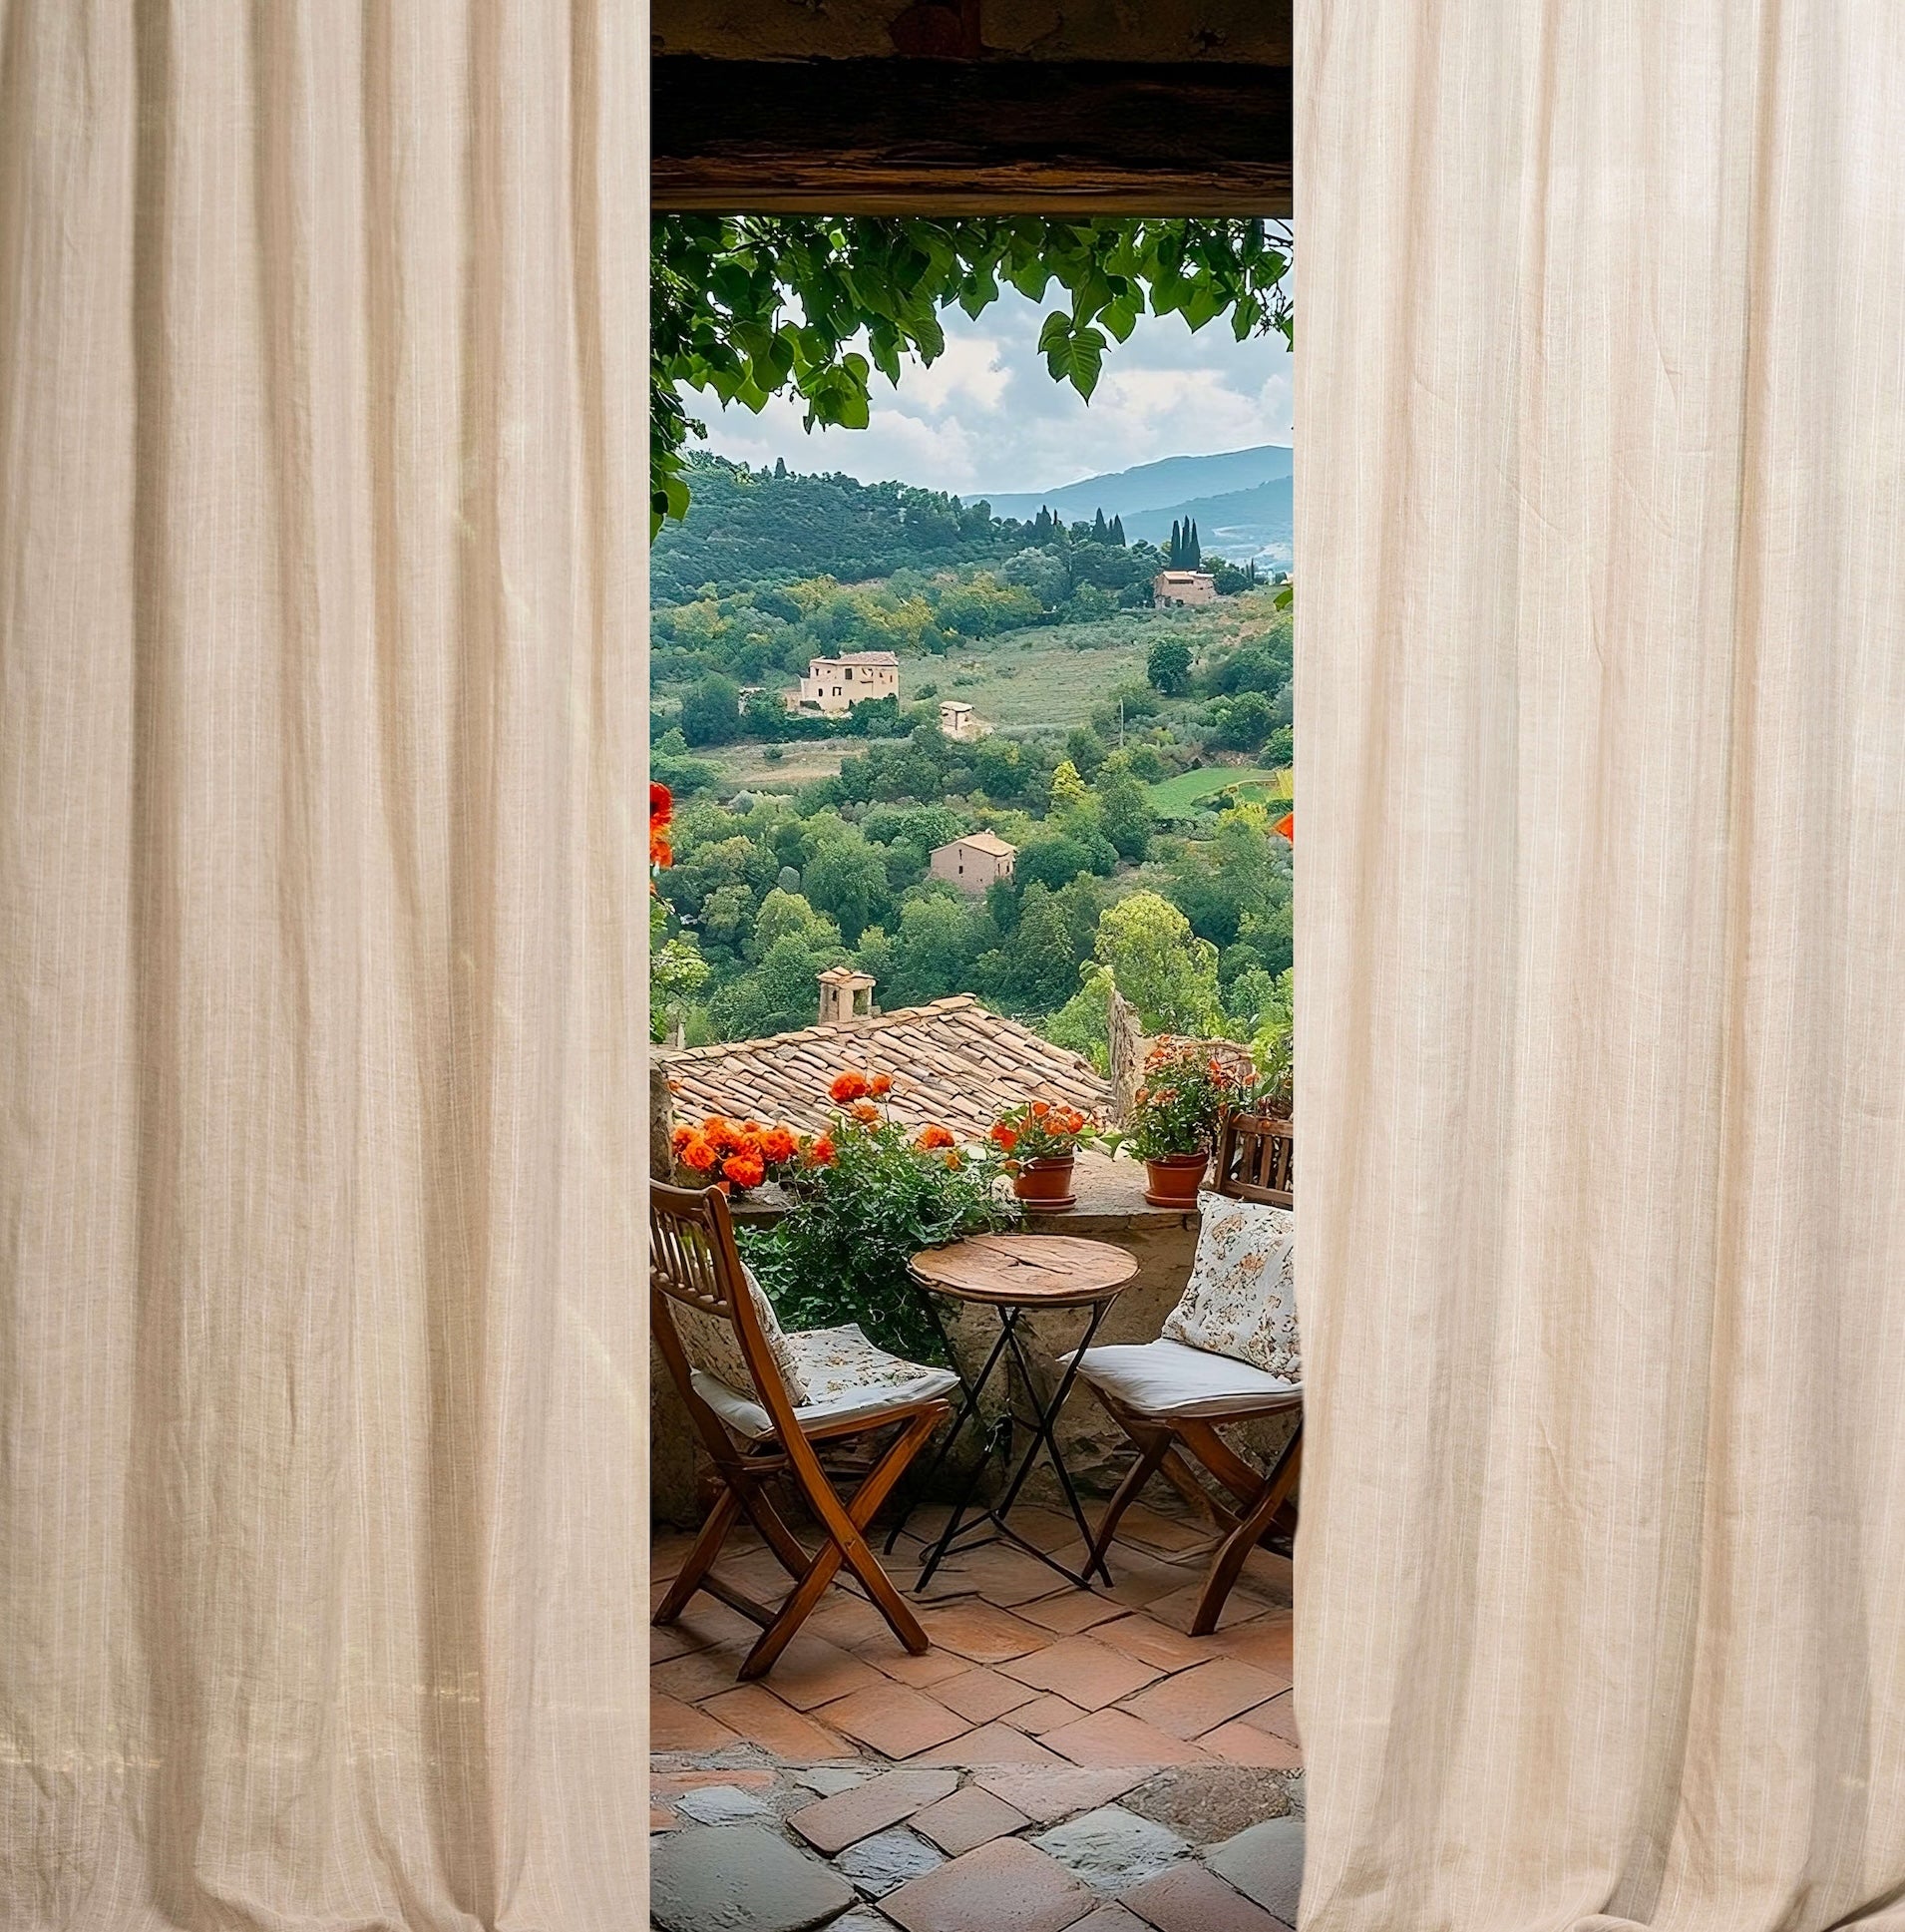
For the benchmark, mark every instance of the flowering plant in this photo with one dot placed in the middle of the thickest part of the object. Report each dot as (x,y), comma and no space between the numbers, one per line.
(1035,1130)
(737,1156)
(884,1192)
(1185,1091)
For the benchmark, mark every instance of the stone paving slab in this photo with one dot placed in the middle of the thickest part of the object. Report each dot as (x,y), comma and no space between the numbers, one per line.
(740,1878)
(1265,1862)
(1111,1848)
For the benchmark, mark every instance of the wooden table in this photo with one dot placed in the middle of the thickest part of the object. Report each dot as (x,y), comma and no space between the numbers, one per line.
(1017,1276)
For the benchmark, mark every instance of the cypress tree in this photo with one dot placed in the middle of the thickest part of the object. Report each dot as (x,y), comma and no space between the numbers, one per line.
(1117,531)
(1100,530)
(1173,556)
(1190,545)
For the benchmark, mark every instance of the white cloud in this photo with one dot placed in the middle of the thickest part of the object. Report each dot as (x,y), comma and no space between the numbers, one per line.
(988,417)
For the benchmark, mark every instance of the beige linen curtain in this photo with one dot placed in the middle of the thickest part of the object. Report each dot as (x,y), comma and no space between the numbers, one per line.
(321,887)
(1601,957)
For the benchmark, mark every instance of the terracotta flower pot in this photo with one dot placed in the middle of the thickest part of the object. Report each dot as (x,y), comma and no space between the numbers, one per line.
(1174,1180)
(1045,1181)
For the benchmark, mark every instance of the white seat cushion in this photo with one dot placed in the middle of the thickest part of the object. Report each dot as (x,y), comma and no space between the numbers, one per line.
(1168,1379)
(844,1374)
(1241,1298)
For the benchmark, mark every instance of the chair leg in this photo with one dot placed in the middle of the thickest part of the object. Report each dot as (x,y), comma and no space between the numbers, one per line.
(1150,1454)
(842,1525)
(700,1559)
(1245,1538)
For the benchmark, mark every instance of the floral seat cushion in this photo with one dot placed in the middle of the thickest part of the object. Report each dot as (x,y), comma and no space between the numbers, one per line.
(1240,1300)
(842,1373)
(714,1346)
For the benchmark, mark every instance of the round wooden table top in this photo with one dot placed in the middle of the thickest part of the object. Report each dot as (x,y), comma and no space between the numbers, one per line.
(1030,1270)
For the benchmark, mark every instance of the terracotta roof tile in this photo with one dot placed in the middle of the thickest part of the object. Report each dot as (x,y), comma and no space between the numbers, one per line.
(951,1063)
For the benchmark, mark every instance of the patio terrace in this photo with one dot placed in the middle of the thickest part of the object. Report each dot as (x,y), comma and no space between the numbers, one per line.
(1060,1758)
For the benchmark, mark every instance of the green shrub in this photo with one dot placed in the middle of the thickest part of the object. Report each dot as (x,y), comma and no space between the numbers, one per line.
(841,1255)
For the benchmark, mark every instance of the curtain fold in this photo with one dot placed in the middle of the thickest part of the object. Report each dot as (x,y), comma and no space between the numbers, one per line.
(1600,942)
(321,905)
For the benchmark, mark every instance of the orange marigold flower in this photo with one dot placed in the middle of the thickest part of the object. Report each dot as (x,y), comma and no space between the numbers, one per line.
(723,1135)
(1287,825)
(1040,1108)
(661,851)
(1003,1136)
(881,1083)
(698,1152)
(954,1163)
(849,1086)
(744,1170)
(680,1137)
(660,804)
(864,1112)
(778,1144)
(933,1135)
(820,1151)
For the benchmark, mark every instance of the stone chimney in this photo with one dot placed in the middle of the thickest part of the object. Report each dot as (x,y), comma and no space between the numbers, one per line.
(846,994)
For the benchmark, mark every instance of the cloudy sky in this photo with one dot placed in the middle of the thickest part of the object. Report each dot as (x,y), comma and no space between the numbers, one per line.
(986,418)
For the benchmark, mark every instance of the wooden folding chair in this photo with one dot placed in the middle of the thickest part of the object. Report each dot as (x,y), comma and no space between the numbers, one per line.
(1254,1163)
(693,1261)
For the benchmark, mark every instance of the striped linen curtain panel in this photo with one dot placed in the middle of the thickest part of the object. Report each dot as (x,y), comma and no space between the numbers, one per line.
(323,883)
(1601,962)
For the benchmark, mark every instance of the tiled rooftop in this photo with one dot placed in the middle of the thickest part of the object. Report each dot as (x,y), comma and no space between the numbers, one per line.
(951,1063)
(1060,1757)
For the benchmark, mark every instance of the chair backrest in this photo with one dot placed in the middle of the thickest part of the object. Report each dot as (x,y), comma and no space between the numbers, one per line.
(694,1266)
(1255,1159)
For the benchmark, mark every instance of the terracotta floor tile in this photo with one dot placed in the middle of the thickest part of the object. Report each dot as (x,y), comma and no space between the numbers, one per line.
(1151,1641)
(981,1695)
(661,1818)
(1278,1717)
(1177,1535)
(931,1667)
(700,1674)
(1045,1714)
(1198,1699)
(986,1746)
(839,1821)
(1138,1587)
(1240,1742)
(893,1720)
(707,1620)
(1071,1610)
(674,1725)
(759,1715)
(980,1632)
(1045,1796)
(968,1819)
(1004,1886)
(667,1786)
(1087,1671)
(813,1672)
(1267,1643)
(1177,1610)
(998,1573)
(1110,1918)
(668,1642)
(1113,1738)
(1187,1898)
(1050,1529)
(853,1624)
(666,1554)
(1267,1574)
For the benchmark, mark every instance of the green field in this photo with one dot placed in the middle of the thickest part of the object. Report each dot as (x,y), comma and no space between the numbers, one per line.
(1179,797)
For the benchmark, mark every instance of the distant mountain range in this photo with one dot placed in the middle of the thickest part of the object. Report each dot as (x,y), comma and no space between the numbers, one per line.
(1241,500)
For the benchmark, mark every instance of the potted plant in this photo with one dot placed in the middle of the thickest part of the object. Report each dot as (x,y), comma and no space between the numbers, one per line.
(1041,1142)
(1175,1116)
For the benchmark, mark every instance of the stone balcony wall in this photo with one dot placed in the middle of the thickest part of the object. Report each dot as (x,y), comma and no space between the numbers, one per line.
(1111,1208)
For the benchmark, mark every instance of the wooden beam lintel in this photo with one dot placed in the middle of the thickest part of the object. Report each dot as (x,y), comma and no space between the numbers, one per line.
(953,138)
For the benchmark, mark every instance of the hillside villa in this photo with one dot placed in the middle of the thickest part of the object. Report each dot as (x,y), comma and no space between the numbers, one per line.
(974,862)
(1183,587)
(833,685)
